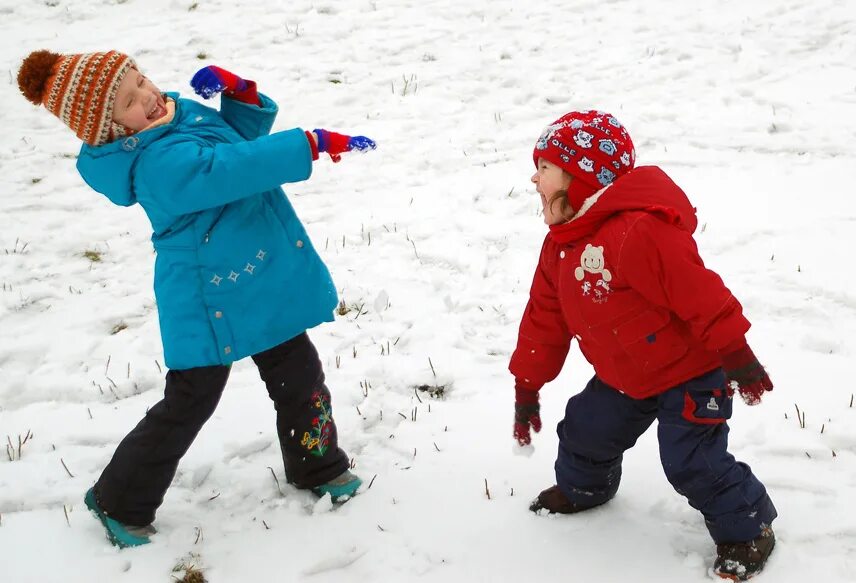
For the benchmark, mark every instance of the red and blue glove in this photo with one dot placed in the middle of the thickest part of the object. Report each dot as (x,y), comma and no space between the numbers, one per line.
(527,414)
(211,80)
(335,144)
(744,373)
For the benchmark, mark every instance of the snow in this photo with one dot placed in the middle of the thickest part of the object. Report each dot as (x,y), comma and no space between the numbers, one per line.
(432,240)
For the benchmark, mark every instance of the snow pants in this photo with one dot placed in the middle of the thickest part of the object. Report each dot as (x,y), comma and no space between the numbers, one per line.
(601,423)
(134,483)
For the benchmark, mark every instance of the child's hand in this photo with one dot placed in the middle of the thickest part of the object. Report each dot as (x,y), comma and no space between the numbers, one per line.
(211,80)
(335,144)
(744,373)
(527,413)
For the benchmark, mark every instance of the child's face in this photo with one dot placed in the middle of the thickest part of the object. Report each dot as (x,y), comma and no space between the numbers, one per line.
(550,179)
(138,102)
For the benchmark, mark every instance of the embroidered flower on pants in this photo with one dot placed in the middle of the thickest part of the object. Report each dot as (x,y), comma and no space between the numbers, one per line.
(317,439)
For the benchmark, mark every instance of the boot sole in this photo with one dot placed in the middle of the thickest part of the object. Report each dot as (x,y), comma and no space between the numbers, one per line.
(339,494)
(122,539)
(539,510)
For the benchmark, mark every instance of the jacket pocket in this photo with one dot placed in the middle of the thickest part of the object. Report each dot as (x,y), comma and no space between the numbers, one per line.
(650,340)
(709,407)
(244,249)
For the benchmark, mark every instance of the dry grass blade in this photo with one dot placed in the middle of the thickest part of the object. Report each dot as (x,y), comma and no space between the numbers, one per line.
(66,468)
(272,473)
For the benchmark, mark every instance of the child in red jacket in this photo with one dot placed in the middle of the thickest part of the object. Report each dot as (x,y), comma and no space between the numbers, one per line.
(620,272)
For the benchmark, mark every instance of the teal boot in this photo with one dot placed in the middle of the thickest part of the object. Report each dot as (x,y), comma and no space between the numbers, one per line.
(121,535)
(341,488)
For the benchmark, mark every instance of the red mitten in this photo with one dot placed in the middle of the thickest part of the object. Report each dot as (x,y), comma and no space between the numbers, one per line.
(336,144)
(527,413)
(745,374)
(210,80)
(333,143)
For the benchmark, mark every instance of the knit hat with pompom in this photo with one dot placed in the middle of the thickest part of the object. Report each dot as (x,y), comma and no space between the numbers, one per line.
(78,89)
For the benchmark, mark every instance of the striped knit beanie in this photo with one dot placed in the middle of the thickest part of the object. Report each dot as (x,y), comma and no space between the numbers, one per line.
(592,146)
(78,89)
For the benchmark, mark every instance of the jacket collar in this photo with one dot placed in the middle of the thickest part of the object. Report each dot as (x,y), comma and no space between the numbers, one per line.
(646,189)
(108,168)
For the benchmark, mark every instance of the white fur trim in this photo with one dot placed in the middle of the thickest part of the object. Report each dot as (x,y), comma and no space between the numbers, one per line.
(589,202)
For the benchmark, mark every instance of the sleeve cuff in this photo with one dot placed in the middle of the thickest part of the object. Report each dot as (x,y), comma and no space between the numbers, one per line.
(525,396)
(733,347)
(526,385)
(312,145)
(249,95)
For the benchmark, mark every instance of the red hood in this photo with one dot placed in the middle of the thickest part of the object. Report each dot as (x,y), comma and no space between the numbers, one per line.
(646,188)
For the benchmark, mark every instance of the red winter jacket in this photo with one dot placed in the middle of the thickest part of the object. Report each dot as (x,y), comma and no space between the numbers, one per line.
(625,279)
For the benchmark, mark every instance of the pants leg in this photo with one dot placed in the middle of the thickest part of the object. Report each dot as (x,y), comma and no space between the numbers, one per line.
(693,435)
(132,486)
(304,416)
(600,424)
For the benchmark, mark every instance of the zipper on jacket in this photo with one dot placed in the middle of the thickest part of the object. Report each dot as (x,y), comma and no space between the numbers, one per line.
(212,225)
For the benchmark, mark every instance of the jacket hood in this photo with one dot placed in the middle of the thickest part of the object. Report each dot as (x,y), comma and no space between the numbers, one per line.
(109,169)
(646,189)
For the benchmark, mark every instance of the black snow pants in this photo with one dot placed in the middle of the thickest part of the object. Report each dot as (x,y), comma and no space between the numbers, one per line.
(134,483)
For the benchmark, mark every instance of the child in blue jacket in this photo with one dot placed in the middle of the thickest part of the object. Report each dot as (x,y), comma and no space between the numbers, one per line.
(235,272)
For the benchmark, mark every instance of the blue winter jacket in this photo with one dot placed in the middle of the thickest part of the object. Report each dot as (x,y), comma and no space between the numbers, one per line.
(235,272)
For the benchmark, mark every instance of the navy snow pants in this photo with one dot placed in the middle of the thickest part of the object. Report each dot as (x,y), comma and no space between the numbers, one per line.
(134,483)
(601,423)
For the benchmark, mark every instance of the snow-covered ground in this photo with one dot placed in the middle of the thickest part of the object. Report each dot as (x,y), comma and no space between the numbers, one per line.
(432,240)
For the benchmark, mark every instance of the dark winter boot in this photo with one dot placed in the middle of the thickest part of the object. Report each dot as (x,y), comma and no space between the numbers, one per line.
(742,561)
(555,502)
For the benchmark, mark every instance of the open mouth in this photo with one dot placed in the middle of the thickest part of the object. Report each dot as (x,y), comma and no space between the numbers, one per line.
(158,109)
